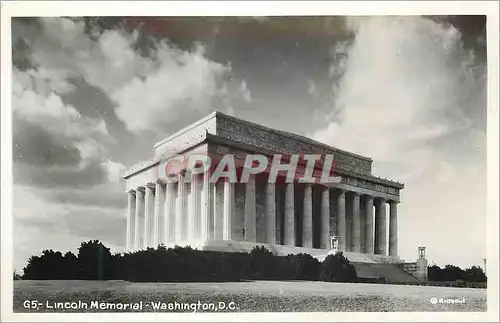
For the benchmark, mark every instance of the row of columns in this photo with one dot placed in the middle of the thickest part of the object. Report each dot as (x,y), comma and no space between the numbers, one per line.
(199,218)
(373,228)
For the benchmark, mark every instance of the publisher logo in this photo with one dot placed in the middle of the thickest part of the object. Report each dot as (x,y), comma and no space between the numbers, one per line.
(435,300)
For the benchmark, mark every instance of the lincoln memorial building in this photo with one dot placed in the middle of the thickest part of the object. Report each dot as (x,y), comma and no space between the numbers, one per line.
(356,214)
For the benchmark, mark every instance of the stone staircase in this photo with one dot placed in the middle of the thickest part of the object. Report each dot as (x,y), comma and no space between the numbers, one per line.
(383,271)
(374,268)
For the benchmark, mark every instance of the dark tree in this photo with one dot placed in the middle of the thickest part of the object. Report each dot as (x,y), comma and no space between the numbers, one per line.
(70,264)
(50,265)
(94,260)
(475,274)
(452,273)
(434,273)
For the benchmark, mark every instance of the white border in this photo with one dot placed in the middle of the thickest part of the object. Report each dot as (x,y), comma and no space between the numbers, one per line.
(222,8)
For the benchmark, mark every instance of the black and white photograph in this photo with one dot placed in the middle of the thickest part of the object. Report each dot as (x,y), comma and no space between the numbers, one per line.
(209,166)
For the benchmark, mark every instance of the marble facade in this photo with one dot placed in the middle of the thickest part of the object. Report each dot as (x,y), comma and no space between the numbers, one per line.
(360,210)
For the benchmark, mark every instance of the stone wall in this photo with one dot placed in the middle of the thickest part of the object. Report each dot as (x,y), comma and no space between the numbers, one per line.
(417,269)
(410,267)
(422,269)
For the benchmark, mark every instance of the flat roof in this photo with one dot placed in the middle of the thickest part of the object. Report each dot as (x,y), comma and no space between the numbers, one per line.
(256,125)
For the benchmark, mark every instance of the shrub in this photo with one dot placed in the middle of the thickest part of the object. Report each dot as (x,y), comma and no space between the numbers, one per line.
(301,267)
(260,264)
(336,268)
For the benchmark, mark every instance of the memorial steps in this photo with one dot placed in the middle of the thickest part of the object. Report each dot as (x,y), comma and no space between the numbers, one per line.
(382,271)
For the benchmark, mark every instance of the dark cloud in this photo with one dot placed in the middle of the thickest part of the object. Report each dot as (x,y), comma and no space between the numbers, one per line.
(53,177)
(107,196)
(98,225)
(35,146)
(87,223)
(467,24)
(23,31)
(472,29)
(238,27)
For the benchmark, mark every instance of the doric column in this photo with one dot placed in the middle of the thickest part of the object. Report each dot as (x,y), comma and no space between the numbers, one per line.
(180,234)
(190,208)
(356,224)
(148,215)
(169,218)
(393,229)
(341,225)
(380,231)
(227,230)
(250,216)
(325,218)
(271,213)
(369,241)
(289,225)
(307,230)
(130,218)
(280,214)
(197,206)
(158,212)
(194,209)
(218,210)
(206,207)
(139,213)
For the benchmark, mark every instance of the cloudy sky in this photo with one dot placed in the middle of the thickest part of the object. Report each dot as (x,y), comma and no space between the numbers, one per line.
(92,96)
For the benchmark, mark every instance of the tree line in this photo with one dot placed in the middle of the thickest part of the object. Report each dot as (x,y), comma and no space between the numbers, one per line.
(450,273)
(94,261)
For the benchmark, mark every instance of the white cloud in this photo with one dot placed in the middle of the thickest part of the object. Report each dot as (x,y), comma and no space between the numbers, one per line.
(114,170)
(44,107)
(401,96)
(148,91)
(245,92)
(311,89)
(182,80)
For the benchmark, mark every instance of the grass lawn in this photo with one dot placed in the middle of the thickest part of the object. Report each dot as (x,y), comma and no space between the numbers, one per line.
(257,296)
